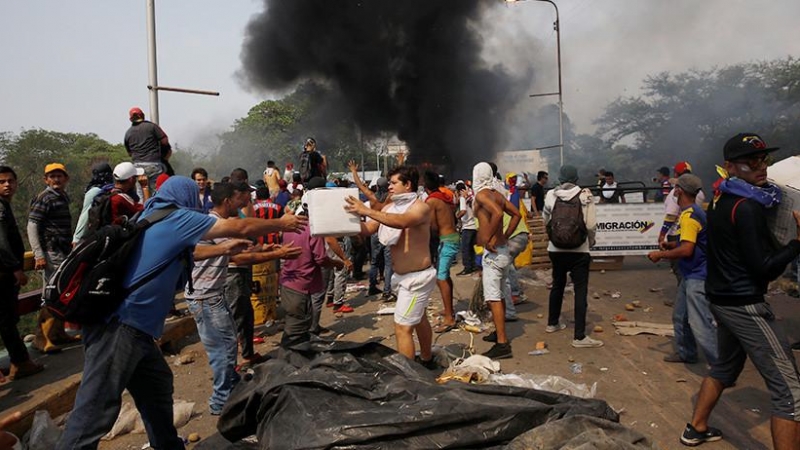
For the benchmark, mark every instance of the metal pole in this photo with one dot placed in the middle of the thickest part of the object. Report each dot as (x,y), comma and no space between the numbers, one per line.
(151,60)
(183,90)
(557,26)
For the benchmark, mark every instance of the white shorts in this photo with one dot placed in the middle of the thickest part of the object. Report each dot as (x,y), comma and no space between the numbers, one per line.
(413,293)
(495,271)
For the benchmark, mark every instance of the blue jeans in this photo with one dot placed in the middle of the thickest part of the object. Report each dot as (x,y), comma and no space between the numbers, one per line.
(119,357)
(379,249)
(701,321)
(217,332)
(237,293)
(340,275)
(468,239)
(685,343)
(516,245)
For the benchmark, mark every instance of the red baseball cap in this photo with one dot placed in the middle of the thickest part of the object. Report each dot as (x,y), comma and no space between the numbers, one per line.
(135,114)
(682,167)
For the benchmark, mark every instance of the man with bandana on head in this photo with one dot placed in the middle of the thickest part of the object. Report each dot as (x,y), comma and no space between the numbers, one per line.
(122,353)
(489,207)
(743,257)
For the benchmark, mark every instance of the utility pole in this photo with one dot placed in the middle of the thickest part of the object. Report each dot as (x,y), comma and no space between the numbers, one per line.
(152,66)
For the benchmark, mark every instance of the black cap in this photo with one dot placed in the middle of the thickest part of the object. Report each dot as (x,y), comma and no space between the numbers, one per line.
(745,144)
(664,171)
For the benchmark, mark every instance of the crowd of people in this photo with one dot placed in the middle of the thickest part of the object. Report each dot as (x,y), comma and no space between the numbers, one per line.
(413,228)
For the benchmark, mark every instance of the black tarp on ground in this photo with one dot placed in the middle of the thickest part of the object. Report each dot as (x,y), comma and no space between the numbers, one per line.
(366,396)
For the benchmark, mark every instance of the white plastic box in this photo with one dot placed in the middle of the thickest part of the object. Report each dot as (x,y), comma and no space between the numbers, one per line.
(786,174)
(326,214)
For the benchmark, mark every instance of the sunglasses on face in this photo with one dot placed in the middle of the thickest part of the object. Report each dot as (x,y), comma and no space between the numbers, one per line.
(756,162)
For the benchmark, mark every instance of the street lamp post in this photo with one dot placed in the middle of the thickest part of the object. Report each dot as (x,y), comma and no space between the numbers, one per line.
(557,28)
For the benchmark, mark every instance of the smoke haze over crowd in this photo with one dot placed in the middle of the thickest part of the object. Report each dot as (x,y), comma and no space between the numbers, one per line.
(410,67)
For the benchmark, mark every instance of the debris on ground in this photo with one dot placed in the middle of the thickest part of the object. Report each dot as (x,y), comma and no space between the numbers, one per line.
(616,294)
(634,328)
(385,310)
(358,395)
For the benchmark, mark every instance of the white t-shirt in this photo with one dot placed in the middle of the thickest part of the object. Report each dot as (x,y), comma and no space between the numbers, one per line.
(468,219)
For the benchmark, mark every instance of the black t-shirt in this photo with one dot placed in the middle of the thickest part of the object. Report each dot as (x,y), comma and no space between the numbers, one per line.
(143,142)
(537,192)
(743,257)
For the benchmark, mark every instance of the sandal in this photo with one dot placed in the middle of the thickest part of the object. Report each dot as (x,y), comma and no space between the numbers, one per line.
(443,328)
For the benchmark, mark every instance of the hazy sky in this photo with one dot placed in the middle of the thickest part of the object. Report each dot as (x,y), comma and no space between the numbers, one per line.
(80,65)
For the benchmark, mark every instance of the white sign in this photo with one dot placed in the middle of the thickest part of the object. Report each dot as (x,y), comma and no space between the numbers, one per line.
(627,229)
(521,161)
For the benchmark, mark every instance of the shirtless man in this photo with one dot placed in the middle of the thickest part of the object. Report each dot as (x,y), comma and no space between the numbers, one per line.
(444,223)
(489,207)
(404,225)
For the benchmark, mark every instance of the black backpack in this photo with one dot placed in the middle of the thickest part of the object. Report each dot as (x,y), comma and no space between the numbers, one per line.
(305,166)
(87,287)
(100,211)
(567,228)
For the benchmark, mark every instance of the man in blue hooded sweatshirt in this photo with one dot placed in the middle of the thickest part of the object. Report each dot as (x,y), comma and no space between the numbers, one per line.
(122,353)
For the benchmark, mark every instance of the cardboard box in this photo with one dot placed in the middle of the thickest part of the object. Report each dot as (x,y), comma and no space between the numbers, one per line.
(326,214)
(785,174)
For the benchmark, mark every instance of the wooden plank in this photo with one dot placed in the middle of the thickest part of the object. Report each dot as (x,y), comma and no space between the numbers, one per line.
(177,329)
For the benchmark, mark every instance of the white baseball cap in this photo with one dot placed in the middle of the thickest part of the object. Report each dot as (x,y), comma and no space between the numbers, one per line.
(123,171)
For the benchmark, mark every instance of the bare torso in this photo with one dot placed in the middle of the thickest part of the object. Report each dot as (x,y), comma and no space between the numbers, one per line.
(411,253)
(487,206)
(443,219)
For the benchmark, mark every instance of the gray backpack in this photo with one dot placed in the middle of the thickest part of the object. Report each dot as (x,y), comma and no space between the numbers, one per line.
(567,228)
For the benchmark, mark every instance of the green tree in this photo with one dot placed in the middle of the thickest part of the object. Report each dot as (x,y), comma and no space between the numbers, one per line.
(275,130)
(690,115)
(29,152)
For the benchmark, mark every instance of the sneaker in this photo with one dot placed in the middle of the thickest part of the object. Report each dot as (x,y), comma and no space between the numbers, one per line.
(491,337)
(464,273)
(255,359)
(373,291)
(499,351)
(554,328)
(343,308)
(519,299)
(513,318)
(329,304)
(692,437)
(388,298)
(586,342)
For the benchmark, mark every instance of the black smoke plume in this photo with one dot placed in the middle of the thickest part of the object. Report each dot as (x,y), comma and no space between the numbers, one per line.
(412,67)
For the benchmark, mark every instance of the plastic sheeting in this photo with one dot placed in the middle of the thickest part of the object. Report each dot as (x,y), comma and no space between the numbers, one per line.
(359,396)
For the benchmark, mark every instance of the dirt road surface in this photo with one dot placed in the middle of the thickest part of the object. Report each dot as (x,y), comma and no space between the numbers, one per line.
(653,397)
